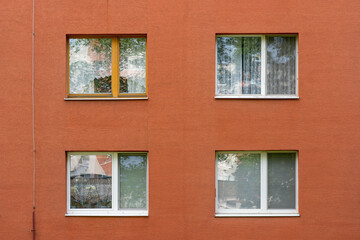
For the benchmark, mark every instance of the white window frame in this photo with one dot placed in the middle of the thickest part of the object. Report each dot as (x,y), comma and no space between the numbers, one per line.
(263,211)
(262,95)
(114,210)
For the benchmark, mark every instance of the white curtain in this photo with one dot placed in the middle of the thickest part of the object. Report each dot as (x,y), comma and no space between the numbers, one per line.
(238,65)
(280,65)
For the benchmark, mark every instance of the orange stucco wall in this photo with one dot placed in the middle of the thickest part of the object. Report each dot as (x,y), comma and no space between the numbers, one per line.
(181,125)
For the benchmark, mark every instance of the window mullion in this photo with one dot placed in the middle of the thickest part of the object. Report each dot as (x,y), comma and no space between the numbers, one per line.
(115,66)
(263,64)
(297,182)
(68,67)
(115,182)
(216,182)
(68,183)
(263,178)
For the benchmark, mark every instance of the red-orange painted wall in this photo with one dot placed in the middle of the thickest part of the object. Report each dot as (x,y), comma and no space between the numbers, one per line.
(181,125)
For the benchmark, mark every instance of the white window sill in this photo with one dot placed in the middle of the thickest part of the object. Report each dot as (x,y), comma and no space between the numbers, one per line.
(106,99)
(257,215)
(109,214)
(256,97)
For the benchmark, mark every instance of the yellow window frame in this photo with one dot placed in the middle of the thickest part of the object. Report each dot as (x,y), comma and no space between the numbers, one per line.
(115,68)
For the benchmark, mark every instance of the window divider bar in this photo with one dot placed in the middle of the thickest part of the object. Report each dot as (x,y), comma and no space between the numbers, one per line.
(67,67)
(115,66)
(263,181)
(68,192)
(216,182)
(297,181)
(147,183)
(115,182)
(263,65)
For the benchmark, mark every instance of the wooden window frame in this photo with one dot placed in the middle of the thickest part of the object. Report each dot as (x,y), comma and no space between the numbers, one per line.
(263,211)
(115,210)
(115,71)
(263,94)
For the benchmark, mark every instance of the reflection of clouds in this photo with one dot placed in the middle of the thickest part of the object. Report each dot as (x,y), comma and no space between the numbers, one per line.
(274,50)
(133,74)
(227,168)
(133,67)
(75,159)
(131,161)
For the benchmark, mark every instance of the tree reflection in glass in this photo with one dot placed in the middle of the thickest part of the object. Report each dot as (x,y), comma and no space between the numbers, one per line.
(280,65)
(132,65)
(91,181)
(132,178)
(238,65)
(90,65)
(238,176)
(281,180)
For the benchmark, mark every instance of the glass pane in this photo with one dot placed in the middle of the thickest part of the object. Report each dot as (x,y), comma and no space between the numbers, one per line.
(238,65)
(281,65)
(91,181)
(281,180)
(238,176)
(90,65)
(132,65)
(132,181)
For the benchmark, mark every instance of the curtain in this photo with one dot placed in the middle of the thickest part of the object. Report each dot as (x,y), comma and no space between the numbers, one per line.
(280,65)
(238,65)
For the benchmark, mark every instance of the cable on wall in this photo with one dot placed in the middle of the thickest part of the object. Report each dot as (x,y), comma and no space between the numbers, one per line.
(33,112)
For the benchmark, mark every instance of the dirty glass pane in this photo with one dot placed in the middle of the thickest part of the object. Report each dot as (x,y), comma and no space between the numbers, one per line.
(132,179)
(90,181)
(238,65)
(132,65)
(281,180)
(238,176)
(280,65)
(90,66)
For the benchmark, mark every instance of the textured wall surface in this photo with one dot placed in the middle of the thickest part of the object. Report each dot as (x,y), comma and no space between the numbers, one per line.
(181,125)
(16,155)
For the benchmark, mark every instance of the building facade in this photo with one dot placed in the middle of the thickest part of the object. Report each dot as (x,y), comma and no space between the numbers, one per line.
(189,122)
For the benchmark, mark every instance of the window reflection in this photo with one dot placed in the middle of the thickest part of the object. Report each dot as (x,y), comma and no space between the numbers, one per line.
(90,65)
(91,181)
(238,177)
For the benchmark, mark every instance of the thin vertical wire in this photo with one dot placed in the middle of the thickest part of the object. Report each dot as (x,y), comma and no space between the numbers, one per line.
(32,95)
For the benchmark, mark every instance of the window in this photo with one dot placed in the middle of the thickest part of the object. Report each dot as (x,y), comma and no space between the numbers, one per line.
(256,66)
(256,183)
(107,67)
(107,184)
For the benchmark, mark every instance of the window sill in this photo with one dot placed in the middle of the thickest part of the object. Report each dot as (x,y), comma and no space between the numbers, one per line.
(257,215)
(256,97)
(103,214)
(106,99)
